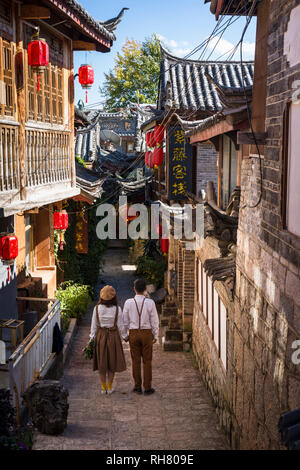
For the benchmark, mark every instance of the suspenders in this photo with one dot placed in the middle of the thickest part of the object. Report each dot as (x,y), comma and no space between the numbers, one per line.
(140,311)
(116,317)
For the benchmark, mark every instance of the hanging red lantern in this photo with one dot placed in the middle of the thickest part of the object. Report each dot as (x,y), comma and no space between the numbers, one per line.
(164,245)
(147,139)
(159,134)
(8,247)
(38,56)
(147,157)
(60,220)
(61,223)
(86,77)
(151,143)
(158,157)
(150,161)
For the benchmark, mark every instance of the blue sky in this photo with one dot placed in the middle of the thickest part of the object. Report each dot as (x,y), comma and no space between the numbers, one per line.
(181,24)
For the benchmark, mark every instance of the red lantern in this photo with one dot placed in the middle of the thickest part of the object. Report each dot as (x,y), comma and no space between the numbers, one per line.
(164,245)
(8,247)
(159,134)
(61,223)
(147,139)
(158,157)
(38,56)
(60,220)
(150,139)
(147,157)
(150,161)
(86,77)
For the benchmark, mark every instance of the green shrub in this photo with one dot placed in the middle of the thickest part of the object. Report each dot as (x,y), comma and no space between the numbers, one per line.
(77,267)
(74,299)
(152,270)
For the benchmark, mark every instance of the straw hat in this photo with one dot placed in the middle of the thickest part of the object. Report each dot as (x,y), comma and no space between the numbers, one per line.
(108,293)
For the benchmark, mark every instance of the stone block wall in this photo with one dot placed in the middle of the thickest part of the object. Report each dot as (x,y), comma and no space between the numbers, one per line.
(261,381)
(267,304)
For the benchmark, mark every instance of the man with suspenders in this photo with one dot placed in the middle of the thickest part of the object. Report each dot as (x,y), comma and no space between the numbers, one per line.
(141,319)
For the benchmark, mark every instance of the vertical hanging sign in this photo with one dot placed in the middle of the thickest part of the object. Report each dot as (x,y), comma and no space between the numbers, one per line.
(81,232)
(180,164)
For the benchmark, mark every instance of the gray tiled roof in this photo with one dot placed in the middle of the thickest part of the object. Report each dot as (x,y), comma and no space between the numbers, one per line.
(184,84)
(89,182)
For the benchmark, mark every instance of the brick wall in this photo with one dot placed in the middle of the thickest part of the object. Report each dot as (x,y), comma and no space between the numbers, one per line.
(207,170)
(188,288)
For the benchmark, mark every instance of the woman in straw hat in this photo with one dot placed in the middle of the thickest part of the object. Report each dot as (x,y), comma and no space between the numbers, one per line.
(107,329)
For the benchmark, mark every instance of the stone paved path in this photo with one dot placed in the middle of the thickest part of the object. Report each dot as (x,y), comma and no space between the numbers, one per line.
(180,415)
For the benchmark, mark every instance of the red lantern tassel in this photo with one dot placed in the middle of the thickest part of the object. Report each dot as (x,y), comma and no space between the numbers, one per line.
(86,95)
(38,83)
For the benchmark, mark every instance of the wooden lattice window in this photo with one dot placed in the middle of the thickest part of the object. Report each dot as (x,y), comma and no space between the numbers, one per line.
(7,91)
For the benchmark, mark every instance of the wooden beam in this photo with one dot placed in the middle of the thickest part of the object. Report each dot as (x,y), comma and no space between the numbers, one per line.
(34,12)
(247,138)
(84,46)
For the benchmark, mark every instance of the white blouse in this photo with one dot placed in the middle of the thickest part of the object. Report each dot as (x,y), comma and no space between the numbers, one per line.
(107,320)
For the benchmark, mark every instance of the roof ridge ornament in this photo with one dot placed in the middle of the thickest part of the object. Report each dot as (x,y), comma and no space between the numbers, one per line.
(111,25)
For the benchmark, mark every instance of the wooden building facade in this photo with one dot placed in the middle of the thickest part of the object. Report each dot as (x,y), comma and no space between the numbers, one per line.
(37,162)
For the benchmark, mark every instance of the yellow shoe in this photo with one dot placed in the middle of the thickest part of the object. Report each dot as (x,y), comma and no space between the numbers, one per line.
(110,390)
(103,388)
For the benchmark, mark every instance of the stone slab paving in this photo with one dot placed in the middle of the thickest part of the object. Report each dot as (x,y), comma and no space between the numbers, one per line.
(180,415)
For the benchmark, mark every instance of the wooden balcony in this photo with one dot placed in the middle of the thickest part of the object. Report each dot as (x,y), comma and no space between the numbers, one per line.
(46,175)
(47,157)
(9,163)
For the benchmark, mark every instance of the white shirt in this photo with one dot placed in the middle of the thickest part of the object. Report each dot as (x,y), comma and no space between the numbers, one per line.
(149,317)
(106,319)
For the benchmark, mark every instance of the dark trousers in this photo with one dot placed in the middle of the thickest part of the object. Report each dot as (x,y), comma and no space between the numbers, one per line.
(141,345)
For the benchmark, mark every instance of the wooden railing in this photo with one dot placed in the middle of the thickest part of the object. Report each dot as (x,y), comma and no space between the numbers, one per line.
(29,359)
(9,162)
(47,157)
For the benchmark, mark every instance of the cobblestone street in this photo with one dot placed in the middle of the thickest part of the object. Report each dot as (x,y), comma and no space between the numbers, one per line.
(180,415)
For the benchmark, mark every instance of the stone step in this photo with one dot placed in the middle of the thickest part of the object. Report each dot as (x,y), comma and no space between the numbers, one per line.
(172,346)
(170,304)
(167,312)
(164,321)
(174,323)
(174,335)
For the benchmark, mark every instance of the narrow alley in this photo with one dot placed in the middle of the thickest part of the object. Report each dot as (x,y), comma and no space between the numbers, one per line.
(180,415)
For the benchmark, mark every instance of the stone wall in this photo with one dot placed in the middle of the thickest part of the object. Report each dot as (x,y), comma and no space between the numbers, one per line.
(267,320)
(261,381)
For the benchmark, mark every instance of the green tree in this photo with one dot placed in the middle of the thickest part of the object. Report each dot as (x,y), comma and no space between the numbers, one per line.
(135,76)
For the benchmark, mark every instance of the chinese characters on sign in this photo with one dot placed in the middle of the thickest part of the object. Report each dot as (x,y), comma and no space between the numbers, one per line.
(81,233)
(180,164)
